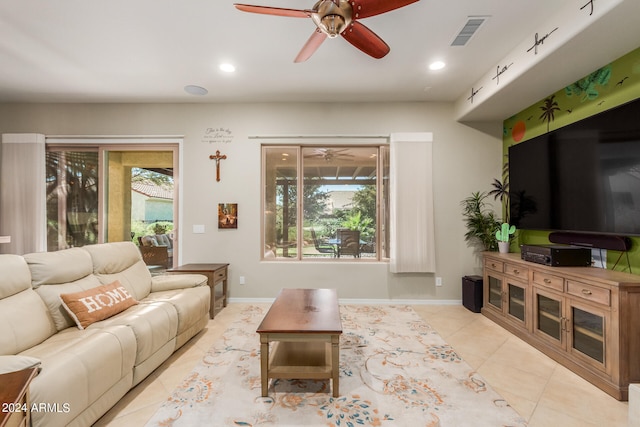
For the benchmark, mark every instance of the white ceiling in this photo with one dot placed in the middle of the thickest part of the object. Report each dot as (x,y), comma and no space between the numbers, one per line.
(148,50)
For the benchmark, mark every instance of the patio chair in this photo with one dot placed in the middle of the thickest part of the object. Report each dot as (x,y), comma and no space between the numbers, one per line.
(322,247)
(349,243)
(154,253)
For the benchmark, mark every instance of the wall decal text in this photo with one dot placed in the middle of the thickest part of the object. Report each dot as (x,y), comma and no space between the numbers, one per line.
(540,40)
(218,134)
(474,92)
(499,72)
(589,3)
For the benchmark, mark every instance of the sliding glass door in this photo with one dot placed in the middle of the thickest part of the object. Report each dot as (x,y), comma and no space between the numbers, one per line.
(110,194)
(139,193)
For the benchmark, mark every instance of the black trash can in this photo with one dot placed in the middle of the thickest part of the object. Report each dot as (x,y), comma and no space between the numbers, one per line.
(472,293)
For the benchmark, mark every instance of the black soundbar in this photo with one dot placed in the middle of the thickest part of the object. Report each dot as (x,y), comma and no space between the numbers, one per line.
(601,241)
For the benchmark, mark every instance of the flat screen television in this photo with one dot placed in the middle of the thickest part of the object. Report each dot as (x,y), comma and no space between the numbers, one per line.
(584,177)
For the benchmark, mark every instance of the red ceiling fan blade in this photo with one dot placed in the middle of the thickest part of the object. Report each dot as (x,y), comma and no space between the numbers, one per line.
(366,40)
(278,11)
(311,46)
(367,8)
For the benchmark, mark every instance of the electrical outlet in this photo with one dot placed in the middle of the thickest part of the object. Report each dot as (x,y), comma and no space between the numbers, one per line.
(438,281)
(242,280)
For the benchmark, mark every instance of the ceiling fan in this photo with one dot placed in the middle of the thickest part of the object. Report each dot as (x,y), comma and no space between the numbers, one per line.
(329,154)
(338,17)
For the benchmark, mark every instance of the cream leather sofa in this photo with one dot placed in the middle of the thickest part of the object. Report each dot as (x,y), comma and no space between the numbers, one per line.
(84,372)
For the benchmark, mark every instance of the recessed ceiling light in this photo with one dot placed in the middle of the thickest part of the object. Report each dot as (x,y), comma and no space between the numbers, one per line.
(227,68)
(195,90)
(437,65)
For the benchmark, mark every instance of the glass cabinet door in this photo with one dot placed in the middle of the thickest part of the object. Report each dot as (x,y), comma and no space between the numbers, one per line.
(495,292)
(588,334)
(516,299)
(549,321)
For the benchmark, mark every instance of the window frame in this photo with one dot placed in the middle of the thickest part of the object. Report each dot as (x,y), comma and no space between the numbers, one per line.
(382,210)
(104,145)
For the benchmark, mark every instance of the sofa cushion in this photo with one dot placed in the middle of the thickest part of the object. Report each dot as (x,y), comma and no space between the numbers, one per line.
(50,268)
(24,322)
(168,282)
(121,261)
(149,241)
(154,325)
(102,302)
(190,304)
(15,275)
(50,294)
(78,368)
(164,240)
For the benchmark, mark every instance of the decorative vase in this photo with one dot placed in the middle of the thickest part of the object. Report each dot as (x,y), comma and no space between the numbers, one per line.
(503,247)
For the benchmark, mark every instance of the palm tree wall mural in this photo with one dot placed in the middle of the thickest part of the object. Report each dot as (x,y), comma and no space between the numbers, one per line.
(549,108)
(607,87)
(501,189)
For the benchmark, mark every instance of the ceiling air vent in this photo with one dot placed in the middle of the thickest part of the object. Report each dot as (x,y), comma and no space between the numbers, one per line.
(468,30)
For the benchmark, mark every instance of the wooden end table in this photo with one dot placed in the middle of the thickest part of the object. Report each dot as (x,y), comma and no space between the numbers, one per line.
(305,327)
(14,398)
(216,279)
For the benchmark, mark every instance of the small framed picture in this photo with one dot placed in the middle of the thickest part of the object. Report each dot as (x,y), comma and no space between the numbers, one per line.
(227,215)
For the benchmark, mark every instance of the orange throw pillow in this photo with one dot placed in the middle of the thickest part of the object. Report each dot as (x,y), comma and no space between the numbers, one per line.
(98,303)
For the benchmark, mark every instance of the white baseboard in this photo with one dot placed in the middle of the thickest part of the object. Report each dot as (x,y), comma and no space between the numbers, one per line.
(361,301)
(634,405)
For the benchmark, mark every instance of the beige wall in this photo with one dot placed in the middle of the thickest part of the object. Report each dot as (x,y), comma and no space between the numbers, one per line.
(465,160)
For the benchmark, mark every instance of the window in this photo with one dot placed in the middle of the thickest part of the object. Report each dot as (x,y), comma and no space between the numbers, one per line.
(325,202)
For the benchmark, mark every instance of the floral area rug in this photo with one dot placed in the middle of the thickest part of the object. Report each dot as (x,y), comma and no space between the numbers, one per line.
(395,370)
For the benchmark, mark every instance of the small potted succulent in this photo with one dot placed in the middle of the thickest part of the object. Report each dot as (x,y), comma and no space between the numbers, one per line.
(503,237)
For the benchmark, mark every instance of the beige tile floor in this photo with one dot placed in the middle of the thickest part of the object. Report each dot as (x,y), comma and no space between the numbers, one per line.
(543,392)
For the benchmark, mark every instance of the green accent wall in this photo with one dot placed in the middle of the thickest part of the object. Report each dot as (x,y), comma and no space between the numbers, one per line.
(608,87)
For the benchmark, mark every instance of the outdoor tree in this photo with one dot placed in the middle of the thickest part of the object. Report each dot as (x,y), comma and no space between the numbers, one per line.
(146,176)
(314,202)
(364,201)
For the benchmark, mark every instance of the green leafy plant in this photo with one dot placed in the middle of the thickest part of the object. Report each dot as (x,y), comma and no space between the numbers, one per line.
(505,231)
(159,228)
(481,221)
(586,88)
(356,221)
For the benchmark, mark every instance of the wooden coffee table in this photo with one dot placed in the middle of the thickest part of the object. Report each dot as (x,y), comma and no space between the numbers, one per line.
(304,326)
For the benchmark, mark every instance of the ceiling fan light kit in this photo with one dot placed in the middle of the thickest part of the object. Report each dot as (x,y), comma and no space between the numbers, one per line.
(332,18)
(338,17)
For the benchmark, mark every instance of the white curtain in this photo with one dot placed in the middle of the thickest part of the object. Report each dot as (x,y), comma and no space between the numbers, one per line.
(412,225)
(23,193)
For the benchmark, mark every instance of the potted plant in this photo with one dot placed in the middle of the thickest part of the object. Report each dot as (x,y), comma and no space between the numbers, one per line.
(481,221)
(503,237)
(159,228)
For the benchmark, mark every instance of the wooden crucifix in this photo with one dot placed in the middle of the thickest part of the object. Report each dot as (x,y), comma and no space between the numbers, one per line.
(217,158)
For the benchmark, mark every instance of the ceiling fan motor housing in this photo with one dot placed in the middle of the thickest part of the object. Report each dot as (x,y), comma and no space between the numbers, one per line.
(332,17)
